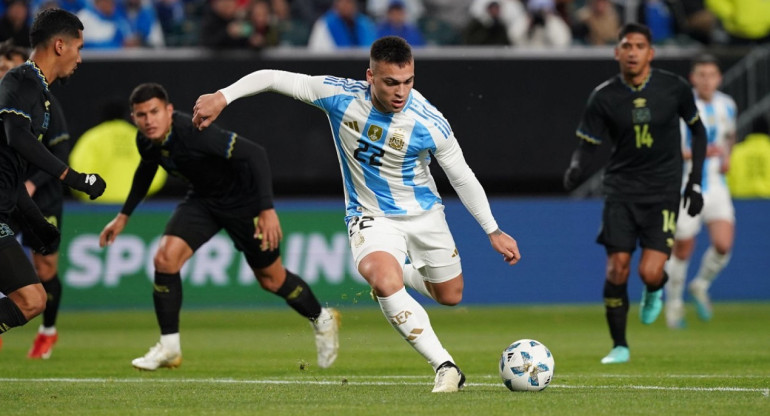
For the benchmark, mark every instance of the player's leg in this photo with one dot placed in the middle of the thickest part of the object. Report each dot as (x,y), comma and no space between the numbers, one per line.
(687,228)
(379,249)
(25,297)
(275,278)
(719,215)
(676,268)
(46,267)
(713,262)
(618,235)
(190,226)
(657,224)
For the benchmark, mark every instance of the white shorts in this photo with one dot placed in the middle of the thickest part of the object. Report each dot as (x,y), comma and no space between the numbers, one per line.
(424,239)
(717,205)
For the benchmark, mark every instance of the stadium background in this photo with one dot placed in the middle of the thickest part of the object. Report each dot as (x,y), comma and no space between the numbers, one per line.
(514,114)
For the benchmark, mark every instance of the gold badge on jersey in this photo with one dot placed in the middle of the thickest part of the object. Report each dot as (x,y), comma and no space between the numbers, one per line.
(396,140)
(374,133)
(640,114)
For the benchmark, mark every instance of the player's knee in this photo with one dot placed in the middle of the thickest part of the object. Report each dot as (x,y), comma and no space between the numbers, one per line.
(723,247)
(651,274)
(32,304)
(450,299)
(617,273)
(165,263)
(269,281)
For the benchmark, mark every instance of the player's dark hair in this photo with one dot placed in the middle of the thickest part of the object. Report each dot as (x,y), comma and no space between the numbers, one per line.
(9,50)
(704,59)
(51,22)
(635,28)
(146,92)
(391,49)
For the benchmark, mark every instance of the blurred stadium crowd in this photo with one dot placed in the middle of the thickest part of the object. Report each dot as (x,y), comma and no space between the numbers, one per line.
(332,24)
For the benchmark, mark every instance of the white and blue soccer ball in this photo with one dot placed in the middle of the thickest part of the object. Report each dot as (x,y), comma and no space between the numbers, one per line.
(526,365)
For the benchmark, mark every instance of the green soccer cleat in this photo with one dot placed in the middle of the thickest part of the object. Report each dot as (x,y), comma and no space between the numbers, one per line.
(651,306)
(617,355)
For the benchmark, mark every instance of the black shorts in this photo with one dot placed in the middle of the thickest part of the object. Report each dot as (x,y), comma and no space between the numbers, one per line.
(196,222)
(652,223)
(17,271)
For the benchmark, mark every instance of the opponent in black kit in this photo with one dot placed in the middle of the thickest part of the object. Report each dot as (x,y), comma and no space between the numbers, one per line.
(25,112)
(229,187)
(46,192)
(639,110)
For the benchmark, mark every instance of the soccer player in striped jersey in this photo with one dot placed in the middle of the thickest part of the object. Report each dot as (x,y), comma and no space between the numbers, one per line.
(639,111)
(385,133)
(718,112)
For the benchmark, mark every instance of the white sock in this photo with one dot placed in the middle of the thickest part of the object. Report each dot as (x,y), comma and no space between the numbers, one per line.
(47,330)
(676,269)
(710,266)
(171,342)
(413,279)
(410,320)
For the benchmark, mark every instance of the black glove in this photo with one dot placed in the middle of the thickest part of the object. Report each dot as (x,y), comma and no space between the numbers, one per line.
(572,177)
(42,236)
(90,183)
(693,199)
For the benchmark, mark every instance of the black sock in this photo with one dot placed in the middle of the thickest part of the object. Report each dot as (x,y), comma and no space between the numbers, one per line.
(167,297)
(10,315)
(652,288)
(53,297)
(299,296)
(616,306)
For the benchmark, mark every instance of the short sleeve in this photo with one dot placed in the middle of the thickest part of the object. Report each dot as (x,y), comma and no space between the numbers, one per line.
(592,127)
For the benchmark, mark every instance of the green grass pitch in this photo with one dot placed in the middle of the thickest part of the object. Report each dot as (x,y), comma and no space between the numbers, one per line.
(262,361)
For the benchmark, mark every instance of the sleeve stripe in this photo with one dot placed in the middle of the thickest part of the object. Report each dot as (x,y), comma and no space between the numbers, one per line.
(587,137)
(230,146)
(15,111)
(58,139)
(694,119)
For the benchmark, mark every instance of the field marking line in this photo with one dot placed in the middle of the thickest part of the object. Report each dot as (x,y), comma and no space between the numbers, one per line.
(345,381)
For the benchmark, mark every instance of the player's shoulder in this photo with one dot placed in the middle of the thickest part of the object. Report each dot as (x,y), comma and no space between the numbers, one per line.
(668,77)
(345,85)
(724,99)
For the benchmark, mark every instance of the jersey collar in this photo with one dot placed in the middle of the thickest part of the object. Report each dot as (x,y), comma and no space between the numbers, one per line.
(38,72)
(641,86)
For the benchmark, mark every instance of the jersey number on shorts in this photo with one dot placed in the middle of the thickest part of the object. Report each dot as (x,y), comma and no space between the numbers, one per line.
(669,221)
(368,153)
(360,223)
(643,136)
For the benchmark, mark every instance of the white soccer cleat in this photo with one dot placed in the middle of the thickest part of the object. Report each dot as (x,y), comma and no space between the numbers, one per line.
(327,336)
(157,357)
(449,378)
(675,314)
(699,291)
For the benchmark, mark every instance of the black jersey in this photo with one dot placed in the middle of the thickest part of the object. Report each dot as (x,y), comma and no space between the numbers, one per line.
(643,124)
(24,93)
(48,190)
(226,170)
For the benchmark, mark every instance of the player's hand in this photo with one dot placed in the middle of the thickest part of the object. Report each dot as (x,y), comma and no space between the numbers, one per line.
(90,183)
(572,177)
(112,229)
(207,108)
(268,229)
(43,236)
(693,199)
(505,245)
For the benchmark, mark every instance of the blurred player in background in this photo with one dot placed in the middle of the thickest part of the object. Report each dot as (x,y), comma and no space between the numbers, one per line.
(25,112)
(385,133)
(46,192)
(230,187)
(718,112)
(639,111)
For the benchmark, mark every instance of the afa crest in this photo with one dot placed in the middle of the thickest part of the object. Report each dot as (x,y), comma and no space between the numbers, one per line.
(396,141)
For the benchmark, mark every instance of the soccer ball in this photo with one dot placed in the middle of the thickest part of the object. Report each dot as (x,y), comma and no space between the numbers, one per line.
(526,365)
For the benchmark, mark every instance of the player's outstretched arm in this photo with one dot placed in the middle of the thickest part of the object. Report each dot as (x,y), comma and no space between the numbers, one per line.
(505,245)
(112,229)
(268,228)
(207,108)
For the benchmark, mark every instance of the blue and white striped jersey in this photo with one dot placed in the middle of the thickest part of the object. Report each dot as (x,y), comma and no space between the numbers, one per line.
(719,119)
(383,157)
